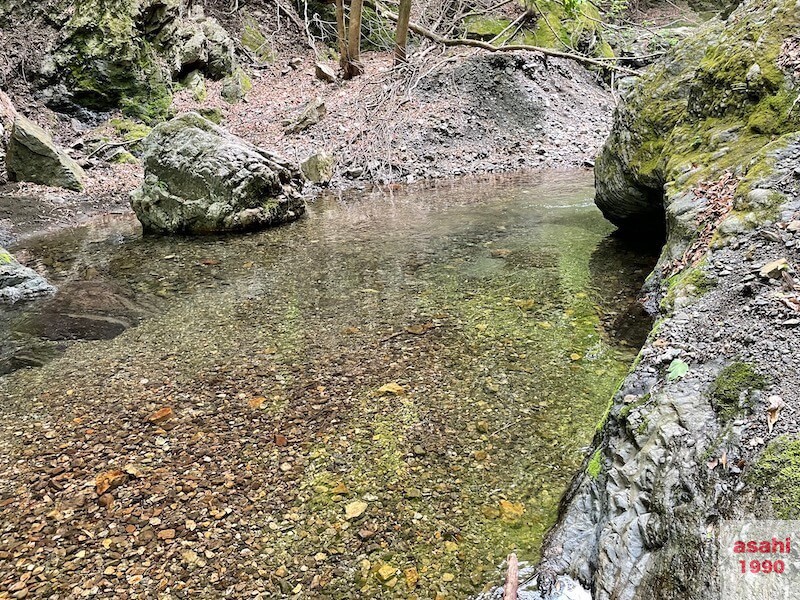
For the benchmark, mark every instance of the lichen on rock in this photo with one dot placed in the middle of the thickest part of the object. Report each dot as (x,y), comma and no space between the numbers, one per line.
(127,53)
(33,156)
(201,179)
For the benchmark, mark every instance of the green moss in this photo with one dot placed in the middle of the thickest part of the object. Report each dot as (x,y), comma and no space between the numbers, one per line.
(130,131)
(595,465)
(107,62)
(692,282)
(776,114)
(5,258)
(730,392)
(236,86)
(553,26)
(124,158)
(483,27)
(777,473)
(212,114)
(255,41)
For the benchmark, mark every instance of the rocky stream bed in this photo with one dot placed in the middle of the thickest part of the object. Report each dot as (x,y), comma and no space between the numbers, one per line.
(381,400)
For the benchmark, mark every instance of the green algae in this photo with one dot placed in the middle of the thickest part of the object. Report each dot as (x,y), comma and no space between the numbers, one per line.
(595,465)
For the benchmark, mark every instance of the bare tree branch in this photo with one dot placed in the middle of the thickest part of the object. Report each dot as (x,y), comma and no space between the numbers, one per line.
(435,37)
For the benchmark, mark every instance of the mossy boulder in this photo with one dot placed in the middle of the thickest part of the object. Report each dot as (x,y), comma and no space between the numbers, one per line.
(201,179)
(33,156)
(318,168)
(128,53)
(715,101)
(551,25)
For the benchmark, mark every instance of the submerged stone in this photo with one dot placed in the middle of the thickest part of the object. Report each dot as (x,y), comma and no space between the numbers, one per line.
(201,179)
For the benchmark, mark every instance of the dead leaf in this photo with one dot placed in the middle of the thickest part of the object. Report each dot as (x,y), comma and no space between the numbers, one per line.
(419,329)
(209,262)
(109,480)
(511,510)
(392,388)
(774,408)
(162,415)
(525,305)
(257,402)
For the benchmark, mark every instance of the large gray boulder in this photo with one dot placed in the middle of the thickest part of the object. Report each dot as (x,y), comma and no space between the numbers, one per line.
(201,179)
(19,283)
(33,156)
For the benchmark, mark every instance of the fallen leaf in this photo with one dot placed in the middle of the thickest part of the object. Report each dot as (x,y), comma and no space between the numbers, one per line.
(525,304)
(412,577)
(162,415)
(501,253)
(355,509)
(386,572)
(209,262)
(109,480)
(677,369)
(511,510)
(419,329)
(257,402)
(392,388)
(774,408)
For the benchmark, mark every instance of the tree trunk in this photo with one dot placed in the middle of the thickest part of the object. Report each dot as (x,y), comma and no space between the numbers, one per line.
(401,36)
(341,34)
(354,66)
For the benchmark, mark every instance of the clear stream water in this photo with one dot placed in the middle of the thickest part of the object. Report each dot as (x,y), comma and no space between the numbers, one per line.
(441,354)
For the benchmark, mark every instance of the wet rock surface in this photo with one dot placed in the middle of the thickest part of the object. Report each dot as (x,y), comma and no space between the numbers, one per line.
(201,179)
(674,455)
(19,283)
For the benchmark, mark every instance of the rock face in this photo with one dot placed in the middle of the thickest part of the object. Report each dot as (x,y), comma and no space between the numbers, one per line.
(32,156)
(709,139)
(125,53)
(201,179)
(18,283)
(714,100)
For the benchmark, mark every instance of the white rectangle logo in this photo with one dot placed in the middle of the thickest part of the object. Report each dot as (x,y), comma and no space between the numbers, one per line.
(759,560)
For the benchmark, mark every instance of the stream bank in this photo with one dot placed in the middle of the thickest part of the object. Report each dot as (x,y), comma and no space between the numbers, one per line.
(683,447)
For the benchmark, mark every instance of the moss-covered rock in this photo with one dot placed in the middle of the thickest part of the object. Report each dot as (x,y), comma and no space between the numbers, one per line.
(236,86)
(778,472)
(19,283)
(714,102)
(33,156)
(552,25)
(127,53)
(732,391)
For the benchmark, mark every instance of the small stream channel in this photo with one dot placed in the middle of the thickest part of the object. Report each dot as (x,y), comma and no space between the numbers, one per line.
(441,355)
